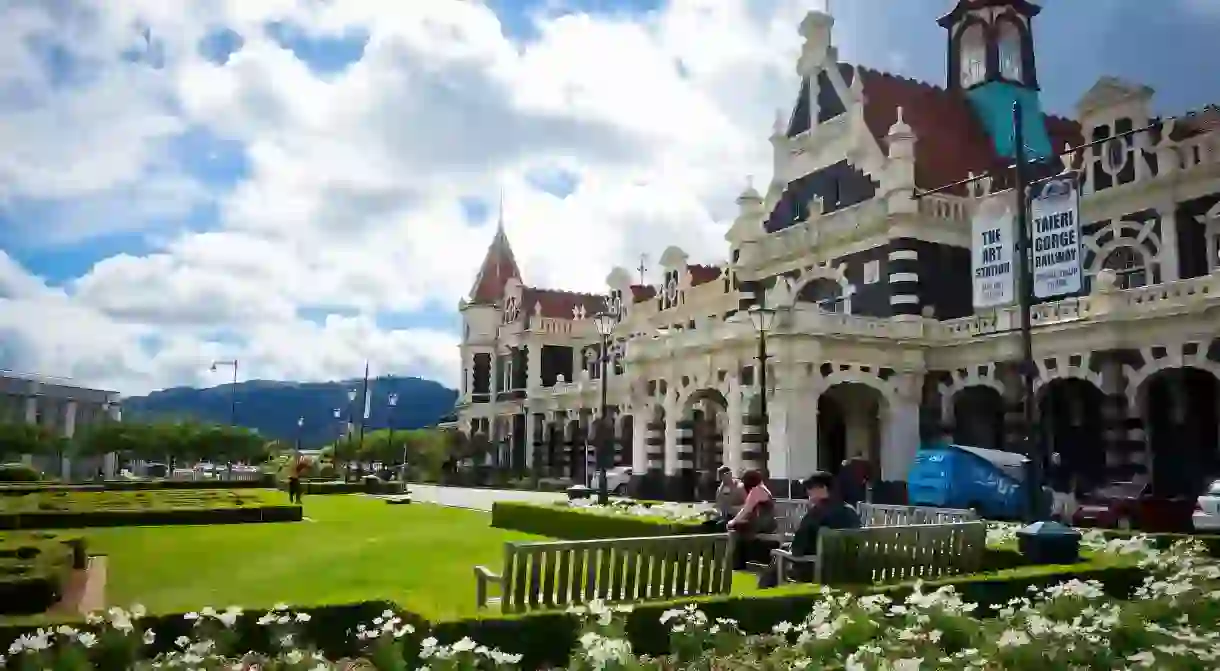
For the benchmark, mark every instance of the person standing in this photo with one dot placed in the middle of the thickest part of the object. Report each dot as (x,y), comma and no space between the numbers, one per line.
(294,480)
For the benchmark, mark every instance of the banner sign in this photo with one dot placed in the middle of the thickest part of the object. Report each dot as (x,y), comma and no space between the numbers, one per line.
(1054,214)
(991,249)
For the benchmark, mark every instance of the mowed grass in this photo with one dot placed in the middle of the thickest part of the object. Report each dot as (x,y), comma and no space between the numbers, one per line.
(355,549)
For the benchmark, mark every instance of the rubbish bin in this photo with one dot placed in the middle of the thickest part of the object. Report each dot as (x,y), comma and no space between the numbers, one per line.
(1049,543)
(579,492)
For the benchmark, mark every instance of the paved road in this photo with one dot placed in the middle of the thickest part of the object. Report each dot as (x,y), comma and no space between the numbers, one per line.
(477,499)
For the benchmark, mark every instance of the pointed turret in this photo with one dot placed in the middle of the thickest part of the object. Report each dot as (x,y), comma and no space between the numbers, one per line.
(499,266)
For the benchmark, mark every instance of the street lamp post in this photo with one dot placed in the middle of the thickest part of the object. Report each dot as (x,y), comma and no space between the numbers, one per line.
(347,464)
(605,326)
(391,403)
(763,319)
(297,452)
(232,391)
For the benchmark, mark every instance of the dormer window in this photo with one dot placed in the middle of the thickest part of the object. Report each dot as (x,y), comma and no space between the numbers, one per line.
(973,56)
(1010,52)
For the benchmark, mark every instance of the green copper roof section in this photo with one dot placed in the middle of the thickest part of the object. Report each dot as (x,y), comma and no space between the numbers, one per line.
(992,104)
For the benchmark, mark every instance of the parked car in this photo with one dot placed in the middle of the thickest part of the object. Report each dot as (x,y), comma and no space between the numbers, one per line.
(617,479)
(1207,509)
(1132,505)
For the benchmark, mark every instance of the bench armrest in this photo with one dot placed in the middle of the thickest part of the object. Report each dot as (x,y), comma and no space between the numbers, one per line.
(483,577)
(784,557)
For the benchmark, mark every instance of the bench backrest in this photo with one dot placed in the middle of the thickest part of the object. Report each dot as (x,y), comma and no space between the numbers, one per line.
(899,553)
(540,575)
(788,514)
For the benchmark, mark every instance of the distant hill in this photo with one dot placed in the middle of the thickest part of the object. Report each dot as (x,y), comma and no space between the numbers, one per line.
(272,408)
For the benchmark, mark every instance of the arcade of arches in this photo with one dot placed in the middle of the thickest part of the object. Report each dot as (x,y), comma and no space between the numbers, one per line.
(1162,426)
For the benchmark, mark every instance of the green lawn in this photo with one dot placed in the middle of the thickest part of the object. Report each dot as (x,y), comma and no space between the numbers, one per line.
(355,549)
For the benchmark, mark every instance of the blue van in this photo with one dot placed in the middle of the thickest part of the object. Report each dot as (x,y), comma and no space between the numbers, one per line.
(959,476)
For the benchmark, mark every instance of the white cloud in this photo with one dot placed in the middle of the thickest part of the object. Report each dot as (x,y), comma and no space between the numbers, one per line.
(352,198)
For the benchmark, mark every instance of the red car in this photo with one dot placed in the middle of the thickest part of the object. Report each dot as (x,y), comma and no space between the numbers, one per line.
(1131,505)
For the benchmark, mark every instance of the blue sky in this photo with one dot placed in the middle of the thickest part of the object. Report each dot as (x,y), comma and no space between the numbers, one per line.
(141,135)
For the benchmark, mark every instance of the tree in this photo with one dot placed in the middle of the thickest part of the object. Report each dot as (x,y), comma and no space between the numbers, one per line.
(24,438)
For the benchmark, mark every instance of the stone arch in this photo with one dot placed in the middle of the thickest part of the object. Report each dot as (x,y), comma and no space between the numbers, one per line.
(963,378)
(851,424)
(854,374)
(1140,236)
(976,415)
(1175,357)
(1179,407)
(1064,369)
(836,274)
(1072,425)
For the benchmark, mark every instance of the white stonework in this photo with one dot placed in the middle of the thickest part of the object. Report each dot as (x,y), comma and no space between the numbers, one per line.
(688,334)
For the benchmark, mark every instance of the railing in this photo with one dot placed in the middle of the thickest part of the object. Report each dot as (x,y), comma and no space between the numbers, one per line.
(945,207)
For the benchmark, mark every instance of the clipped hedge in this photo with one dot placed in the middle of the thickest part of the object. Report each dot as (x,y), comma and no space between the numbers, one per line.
(547,639)
(561,521)
(263,482)
(35,569)
(60,510)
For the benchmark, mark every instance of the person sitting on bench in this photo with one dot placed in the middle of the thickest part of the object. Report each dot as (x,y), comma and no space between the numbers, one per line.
(826,511)
(730,497)
(756,516)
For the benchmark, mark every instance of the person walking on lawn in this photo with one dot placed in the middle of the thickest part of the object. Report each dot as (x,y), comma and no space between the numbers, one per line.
(294,480)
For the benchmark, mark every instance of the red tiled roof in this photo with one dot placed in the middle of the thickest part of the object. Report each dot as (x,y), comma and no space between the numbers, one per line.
(951,142)
(499,265)
(642,292)
(702,274)
(1204,121)
(559,304)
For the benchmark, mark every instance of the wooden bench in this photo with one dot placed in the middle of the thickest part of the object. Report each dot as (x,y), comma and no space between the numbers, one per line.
(788,514)
(557,574)
(891,553)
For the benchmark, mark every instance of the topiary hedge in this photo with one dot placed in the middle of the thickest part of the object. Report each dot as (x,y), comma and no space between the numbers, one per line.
(264,482)
(546,639)
(562,521)
(321,488)
(18,472)
(61,510)
(35,569)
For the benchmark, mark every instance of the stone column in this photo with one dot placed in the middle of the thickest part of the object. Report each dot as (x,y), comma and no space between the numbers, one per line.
(70,419)
(534,366)
(733,428)
(1170,266)
(753,438)
(777,435)
(533,439)
(31,410)
(639,442)
(900,426)
(672,451)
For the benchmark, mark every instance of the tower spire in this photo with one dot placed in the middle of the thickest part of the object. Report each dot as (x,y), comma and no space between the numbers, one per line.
(498,267)
(500,218)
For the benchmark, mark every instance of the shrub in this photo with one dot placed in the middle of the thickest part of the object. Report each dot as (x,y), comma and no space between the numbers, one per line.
(135,485)
(561,520)
(35,569)
(17,472)
(58,510)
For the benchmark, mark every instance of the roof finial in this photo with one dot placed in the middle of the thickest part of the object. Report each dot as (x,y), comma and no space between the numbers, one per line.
(500,218)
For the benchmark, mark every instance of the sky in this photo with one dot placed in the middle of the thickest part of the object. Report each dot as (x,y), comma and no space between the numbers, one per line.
(303,185)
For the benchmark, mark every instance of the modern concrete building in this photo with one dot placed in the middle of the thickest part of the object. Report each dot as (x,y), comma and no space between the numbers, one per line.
(55,403)
(879,341)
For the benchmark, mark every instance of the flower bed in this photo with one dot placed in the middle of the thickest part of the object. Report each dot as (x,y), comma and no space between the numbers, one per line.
(578,520)
(34,569)
(57,510)
(1170,625)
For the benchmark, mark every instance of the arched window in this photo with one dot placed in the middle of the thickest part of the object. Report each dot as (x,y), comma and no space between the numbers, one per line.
(826,294)
(1011,52)
(973,51)
(1128,265)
